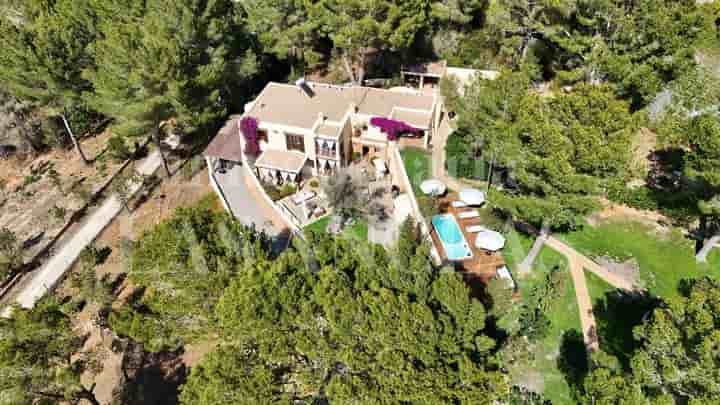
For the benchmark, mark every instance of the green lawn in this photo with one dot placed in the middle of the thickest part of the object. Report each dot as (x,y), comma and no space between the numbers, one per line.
(564,317)
(417,164)
(597,286)
(664,259)
(358,230)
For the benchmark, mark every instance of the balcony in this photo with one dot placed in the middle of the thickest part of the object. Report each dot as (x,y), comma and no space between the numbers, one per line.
(330,153)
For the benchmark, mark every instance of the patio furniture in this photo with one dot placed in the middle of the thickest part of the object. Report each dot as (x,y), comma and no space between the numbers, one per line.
(433,187)
(489,240)
(458,204)
(504,273)
(468,214)
(474,228)
(472,196)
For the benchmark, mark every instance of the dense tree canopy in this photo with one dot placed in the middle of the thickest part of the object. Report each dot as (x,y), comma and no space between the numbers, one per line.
(687,116)
(560,150)
(45,50)
(677,361)
(182,267)
(321,331)
(38,361)
(160,60)
(361,28)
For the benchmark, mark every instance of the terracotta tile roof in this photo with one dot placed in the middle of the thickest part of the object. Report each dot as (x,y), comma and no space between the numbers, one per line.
(286,104)
(226,144)
(415,119)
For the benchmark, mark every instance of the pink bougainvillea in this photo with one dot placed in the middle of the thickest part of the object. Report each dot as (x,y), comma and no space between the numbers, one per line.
(392,128)
(249,129)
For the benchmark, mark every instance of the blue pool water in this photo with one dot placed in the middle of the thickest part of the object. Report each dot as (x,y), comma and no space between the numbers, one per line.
(454,243)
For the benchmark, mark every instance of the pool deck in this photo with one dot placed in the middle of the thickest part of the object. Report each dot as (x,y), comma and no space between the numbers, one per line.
(483,265)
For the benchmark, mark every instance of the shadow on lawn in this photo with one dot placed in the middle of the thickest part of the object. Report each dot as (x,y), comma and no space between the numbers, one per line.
(573,358)
(617,313)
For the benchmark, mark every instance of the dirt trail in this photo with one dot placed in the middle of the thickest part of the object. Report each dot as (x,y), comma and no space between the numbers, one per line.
(35,287)
(578,264)
(582,261)
(587,318)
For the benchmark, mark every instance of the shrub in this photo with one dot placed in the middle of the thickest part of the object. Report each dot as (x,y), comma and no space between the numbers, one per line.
(192,167)
(534,322)
(680,205)
(429,206)
(58,212)
(117,149)
(10,252)
(392,128)
(462,161)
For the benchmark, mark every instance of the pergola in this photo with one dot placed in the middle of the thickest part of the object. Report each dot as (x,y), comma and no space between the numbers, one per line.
(278,166)
(224,147)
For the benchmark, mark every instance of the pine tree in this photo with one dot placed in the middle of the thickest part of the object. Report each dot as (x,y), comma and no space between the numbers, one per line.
(36,350)
(44,48)
(163,62)
(361,28)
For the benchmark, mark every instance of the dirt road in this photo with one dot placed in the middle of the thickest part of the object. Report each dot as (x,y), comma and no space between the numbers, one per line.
(31,290)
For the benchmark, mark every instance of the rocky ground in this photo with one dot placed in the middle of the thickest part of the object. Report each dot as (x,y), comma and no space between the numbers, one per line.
(38,194)
(156,375)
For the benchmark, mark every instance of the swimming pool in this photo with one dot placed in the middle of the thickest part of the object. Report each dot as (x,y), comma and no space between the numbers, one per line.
(453,241)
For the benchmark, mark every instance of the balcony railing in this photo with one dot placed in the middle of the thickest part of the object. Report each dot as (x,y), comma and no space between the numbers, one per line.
(327,152)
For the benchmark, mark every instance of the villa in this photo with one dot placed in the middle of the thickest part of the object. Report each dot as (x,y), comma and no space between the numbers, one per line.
(312,129)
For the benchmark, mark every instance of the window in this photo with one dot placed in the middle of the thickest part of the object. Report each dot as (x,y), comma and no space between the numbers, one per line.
(295,142)
(262,136)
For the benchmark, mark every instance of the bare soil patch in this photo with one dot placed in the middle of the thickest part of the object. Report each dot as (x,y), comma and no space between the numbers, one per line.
(628,270)
(41,193)
(612,212)
(160,204)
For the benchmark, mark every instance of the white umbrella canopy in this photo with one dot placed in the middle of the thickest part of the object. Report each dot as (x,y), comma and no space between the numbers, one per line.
(490,240)
(433,187)
(472,196)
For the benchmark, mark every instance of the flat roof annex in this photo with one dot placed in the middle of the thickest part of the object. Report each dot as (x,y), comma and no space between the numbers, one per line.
(286,161)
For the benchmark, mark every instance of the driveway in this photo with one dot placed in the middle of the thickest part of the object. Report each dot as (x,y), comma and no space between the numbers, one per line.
(249,206)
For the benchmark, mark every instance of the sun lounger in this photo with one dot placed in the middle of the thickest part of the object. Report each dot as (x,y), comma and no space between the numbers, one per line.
(474,228)
(458,204)
(469,214)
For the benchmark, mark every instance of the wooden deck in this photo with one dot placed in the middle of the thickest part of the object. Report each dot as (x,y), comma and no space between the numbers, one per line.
(482,267)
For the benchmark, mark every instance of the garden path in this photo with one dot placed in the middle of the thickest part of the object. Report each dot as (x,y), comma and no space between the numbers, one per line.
(578,264)
(583,261)
(582,295)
